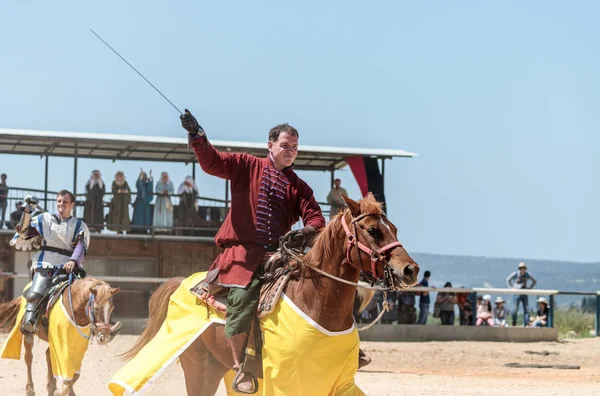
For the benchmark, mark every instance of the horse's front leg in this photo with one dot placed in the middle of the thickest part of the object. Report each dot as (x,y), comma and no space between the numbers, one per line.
(64,389)
(72,385)
(51,381)
(28,343)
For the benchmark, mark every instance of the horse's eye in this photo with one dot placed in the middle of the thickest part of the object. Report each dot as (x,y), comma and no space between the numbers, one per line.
(374,232)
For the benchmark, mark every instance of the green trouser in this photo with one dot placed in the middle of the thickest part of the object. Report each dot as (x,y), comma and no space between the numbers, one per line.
(241,308)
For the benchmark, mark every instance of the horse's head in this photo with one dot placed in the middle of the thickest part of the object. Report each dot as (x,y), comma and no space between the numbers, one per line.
(372,244)
(99,309)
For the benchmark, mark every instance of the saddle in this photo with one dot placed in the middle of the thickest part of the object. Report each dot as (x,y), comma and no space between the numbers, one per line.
(274,274)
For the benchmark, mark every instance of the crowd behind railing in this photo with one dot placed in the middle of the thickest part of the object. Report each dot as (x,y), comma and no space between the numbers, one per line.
(473,309)
(146,208)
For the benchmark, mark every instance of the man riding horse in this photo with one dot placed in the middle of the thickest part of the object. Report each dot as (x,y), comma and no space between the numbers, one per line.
(267,198)
(64,241)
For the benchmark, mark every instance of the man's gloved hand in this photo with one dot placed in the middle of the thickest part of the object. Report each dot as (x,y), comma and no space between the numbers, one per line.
(190,124)
(301,239)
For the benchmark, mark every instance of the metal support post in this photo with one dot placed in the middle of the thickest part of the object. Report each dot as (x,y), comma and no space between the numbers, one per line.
(46,185)
(76,154)
(551,312)
(598,315)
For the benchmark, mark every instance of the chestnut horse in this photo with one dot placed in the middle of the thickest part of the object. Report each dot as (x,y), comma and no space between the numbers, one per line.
(90,298)
(359,239)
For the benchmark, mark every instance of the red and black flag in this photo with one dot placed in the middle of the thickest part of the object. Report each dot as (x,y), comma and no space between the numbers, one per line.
(368,176)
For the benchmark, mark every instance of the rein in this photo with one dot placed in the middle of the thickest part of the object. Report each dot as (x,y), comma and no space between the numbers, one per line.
(89,313)
(73,311)
(376,255)
(385,306)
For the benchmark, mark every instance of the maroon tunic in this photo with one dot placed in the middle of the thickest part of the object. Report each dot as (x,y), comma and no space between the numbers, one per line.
(265,203)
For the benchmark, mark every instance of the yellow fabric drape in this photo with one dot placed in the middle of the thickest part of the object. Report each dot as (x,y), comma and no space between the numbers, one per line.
(67,346)
(295,348)
(186,321)
(12,347)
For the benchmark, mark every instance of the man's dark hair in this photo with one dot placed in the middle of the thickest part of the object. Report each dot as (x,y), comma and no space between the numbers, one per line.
(3,175)
(282,128)
(66,193)
(427,274)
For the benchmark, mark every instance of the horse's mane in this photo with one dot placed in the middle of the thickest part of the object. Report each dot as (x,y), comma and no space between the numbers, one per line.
(103,289)
(328,244)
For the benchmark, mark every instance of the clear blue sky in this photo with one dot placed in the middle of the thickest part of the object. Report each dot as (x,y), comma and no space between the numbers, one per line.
(500,101)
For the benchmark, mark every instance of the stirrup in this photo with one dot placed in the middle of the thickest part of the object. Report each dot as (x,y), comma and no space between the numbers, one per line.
(239,373)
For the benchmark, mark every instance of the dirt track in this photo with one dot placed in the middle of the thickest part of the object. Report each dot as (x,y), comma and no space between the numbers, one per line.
(433,368)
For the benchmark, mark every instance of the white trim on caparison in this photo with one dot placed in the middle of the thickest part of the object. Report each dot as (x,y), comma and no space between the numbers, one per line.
(312,322)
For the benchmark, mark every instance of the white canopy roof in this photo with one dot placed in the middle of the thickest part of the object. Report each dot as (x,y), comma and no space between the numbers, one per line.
(167,149)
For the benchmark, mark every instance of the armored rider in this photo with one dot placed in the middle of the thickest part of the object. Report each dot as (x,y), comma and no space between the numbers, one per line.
(63,240)
(267,198)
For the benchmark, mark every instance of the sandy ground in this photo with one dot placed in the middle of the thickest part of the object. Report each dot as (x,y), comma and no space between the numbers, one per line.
(432,368)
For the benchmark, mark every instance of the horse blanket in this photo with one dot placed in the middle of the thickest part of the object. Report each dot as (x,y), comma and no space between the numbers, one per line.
(295,348)
(67,346)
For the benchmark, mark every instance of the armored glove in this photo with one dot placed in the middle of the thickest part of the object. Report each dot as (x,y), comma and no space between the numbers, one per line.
(30,203)
(189,123)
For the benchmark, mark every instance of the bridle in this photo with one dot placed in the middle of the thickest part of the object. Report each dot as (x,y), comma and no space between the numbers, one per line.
(376,255)
(99,330)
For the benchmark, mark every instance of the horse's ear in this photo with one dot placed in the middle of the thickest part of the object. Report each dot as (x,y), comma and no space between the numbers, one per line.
(114,291)
(352,205)
(370,197)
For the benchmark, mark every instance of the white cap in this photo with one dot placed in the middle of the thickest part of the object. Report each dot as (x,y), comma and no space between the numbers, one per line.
(487,297)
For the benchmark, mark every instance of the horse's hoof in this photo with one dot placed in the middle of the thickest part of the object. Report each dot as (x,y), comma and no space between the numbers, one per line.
(363,361)
(29,392)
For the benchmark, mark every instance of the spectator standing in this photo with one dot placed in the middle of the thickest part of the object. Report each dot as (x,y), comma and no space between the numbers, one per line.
(142,214)
(446,302)
(407,313)
(334,198)
(163,207)
(3,199)
(93,210)
(519,280)
(118,216)
(424,300)
(465,309)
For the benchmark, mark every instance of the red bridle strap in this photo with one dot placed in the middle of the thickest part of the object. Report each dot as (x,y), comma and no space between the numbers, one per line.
(381,254)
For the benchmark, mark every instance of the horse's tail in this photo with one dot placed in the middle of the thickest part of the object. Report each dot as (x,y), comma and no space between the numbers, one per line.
(8,314)
(158,307)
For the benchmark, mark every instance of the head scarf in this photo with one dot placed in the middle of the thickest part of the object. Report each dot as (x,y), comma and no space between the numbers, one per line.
(183,187)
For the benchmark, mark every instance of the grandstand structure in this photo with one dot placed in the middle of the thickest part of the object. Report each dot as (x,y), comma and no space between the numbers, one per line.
(152,255)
